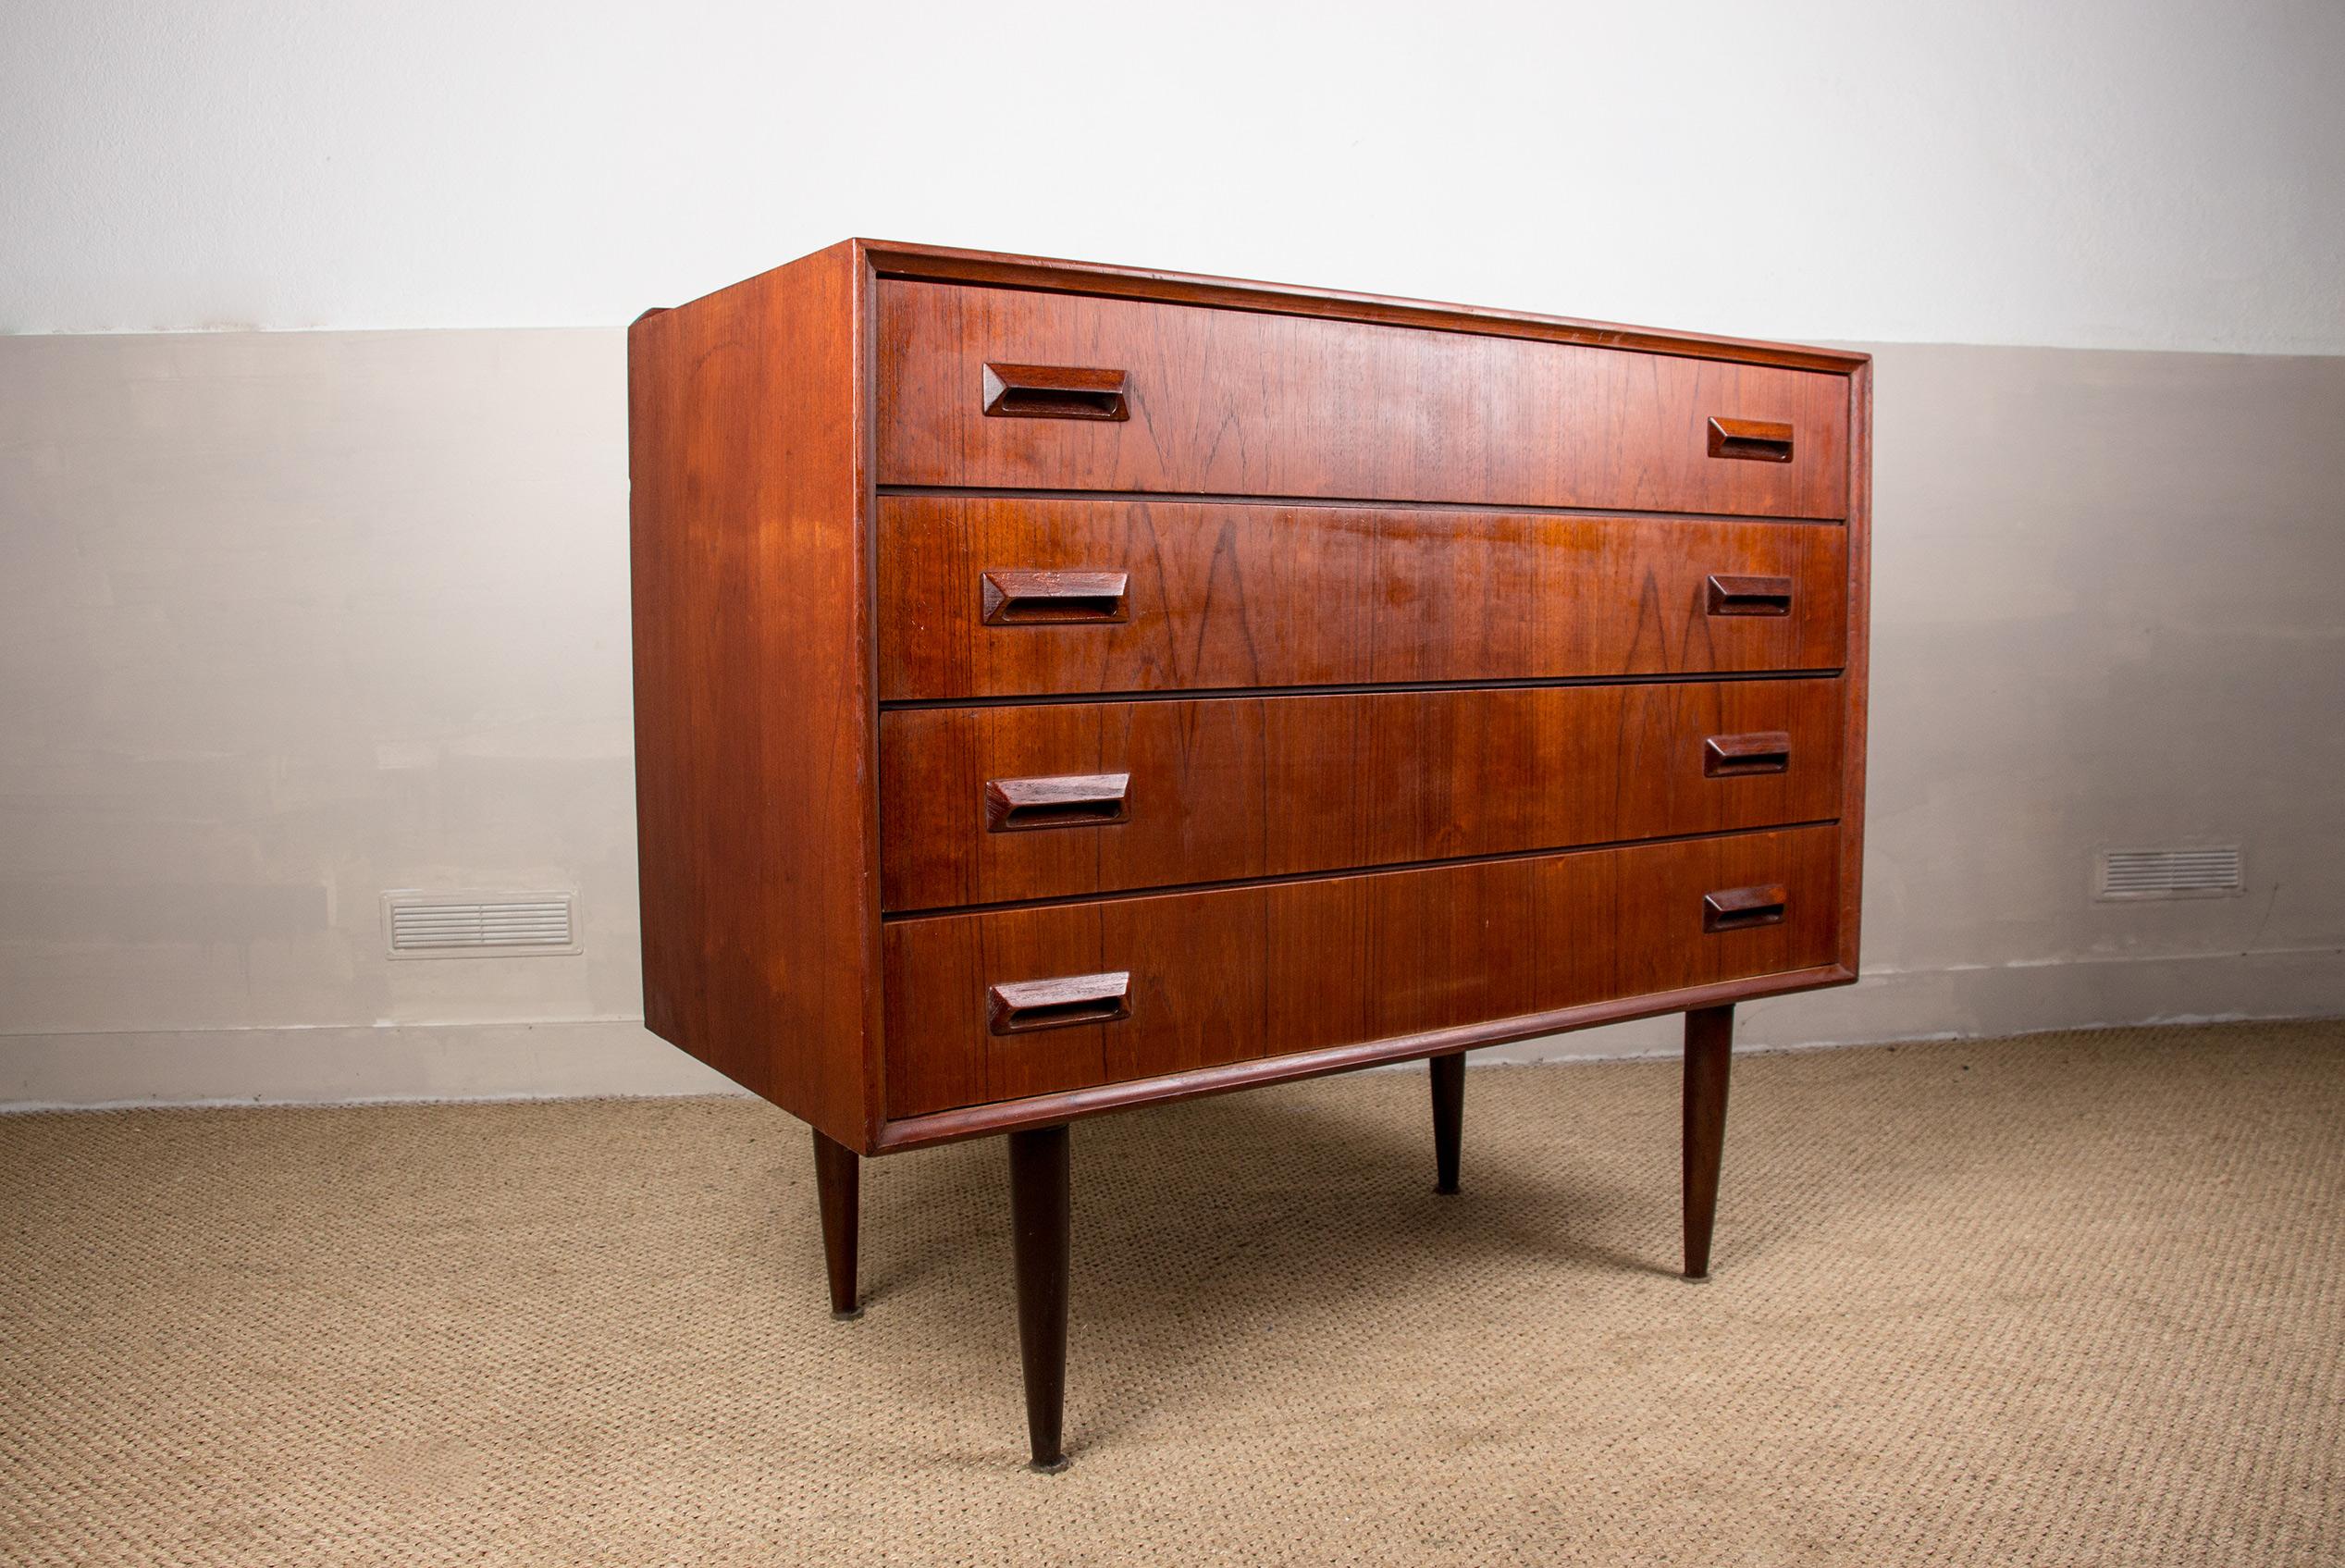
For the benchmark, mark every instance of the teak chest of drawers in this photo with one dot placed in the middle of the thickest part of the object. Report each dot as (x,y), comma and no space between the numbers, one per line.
(1062,688)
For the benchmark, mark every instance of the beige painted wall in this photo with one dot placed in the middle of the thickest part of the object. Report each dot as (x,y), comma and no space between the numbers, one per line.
(2125,174)
(293,618)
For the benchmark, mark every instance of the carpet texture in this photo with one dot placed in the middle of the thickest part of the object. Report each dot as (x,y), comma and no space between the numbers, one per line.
(2070,1299)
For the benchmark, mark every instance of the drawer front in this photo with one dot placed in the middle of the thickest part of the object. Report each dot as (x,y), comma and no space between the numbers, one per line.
(990,805)
(1164,983)
(1007,389)
(999,596)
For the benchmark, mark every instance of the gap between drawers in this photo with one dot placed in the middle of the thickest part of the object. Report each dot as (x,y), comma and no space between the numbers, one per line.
(1207,694)
(898,916)
(1214,498)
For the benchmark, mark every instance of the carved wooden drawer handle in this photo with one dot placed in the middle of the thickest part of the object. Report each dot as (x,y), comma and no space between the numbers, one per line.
(1739,908)
(1755,441)
(1053,598)
(1068,801)
(1732,756)
(1031,1005)
(1749,595)
(1055,391)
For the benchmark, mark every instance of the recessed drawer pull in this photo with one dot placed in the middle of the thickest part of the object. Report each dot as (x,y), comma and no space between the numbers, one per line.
(1030,1004)
(1732,756)
(1053,598)
(1755,441)
(1749,595)
(1739,908)
(1070,800)
(1055,391)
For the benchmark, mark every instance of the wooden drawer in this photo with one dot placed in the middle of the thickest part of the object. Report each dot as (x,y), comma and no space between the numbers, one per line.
(1008,388)
(990,805)
(1000,597)
(1170,981)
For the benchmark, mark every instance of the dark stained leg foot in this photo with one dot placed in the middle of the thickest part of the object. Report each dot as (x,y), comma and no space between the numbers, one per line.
(1449,1107)
(837,1181)
(1040,1231)
(1709,1035)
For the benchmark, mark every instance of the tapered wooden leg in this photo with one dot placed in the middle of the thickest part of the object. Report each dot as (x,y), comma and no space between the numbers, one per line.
(1710,1036)
(1449,1108)
(1040,1216)
(837,1183)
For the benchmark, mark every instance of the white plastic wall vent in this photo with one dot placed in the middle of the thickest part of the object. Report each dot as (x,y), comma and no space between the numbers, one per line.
(479,925)
(2209,872)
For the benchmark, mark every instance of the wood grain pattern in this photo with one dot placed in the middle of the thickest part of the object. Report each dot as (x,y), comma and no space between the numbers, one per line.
(1751,440)
(1225,596)
(1857,592)
(1229,402)
(1213,1014)
(1222,976)
(755,742)
(1071,1105)
(1212,680)
(1749,595)
(889,258)
(1229,789)
(1014,597)
(1061,1002)
(1740,756)
(1048,392)
(1739,908)
(1057,801)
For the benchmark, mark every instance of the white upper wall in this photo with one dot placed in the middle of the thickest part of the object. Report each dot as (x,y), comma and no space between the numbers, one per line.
(2108,174)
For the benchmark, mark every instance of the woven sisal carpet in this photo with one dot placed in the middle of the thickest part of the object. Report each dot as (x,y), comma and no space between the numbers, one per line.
(2072,1299)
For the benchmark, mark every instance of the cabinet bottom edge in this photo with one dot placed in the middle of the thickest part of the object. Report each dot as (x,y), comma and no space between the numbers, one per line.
(1048,1110)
